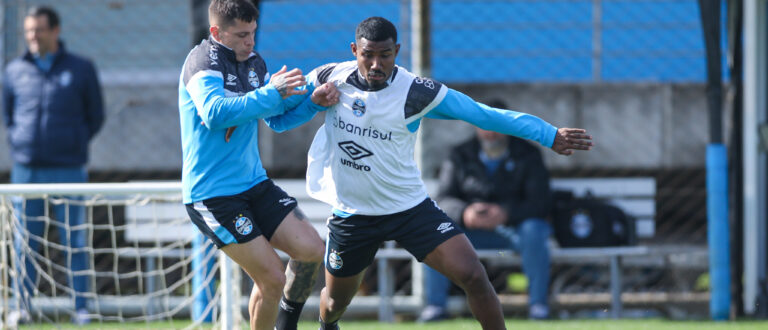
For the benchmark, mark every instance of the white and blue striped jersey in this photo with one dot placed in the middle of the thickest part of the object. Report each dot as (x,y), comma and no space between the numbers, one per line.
(362,159)
(217,92)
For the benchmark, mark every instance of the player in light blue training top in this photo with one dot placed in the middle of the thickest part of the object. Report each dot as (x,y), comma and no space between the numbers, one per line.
(224,89)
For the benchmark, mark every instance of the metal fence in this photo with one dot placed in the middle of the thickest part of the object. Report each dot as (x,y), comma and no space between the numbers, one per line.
(630,71)
(471,41)
(130,37)
(599,64)
(507,41)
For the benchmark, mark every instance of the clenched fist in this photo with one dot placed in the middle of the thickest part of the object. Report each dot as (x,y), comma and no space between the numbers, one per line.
(326,95)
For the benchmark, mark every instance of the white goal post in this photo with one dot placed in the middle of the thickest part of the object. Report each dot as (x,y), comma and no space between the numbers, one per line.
(144,264)
(138,269)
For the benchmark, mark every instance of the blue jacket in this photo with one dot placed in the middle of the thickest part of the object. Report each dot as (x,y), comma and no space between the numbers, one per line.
(51,116)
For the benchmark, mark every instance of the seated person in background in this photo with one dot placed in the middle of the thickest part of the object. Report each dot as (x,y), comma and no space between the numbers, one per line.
(497,188)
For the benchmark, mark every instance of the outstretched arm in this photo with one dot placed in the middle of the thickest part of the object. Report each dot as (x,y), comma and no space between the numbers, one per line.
(456,105)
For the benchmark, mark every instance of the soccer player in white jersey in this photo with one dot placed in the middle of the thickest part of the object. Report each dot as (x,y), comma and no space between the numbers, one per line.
(362,163)
(228,196)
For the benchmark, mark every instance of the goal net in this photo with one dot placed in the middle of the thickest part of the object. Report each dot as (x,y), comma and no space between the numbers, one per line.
(109,253)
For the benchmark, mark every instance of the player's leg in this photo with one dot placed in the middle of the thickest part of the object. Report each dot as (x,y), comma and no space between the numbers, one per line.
(241,226)
(457,260)
(264,267)
(296,237)
(433,238)
(287,229)
(437,285)
(351,246)
(336,296)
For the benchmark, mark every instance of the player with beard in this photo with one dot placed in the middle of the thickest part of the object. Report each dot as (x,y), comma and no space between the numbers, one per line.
(362,163)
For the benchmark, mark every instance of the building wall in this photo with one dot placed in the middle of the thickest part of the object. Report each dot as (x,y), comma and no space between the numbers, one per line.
(638,121)
(635,126)
(640,126)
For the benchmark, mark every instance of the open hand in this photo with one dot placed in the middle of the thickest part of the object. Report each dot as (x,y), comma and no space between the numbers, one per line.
(569,139)
(326,95)
(286,82)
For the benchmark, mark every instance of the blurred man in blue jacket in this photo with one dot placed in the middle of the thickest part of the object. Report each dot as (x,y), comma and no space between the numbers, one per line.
(52,107)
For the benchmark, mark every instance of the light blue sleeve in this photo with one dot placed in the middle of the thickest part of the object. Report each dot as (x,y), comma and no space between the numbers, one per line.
(456,105)
(294,101)
(219,111)
(301,109)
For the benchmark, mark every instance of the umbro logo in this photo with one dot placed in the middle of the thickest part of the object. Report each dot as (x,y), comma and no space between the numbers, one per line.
(444,227)
(286,201)
(231,79)
(354,150)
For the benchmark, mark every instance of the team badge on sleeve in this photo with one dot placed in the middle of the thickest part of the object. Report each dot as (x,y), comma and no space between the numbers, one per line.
(243,225)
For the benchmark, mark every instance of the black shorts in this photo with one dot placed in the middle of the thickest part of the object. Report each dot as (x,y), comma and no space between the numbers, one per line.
(353,241)
(242,217)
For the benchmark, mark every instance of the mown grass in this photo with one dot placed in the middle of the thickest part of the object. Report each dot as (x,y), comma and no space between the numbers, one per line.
(460,324)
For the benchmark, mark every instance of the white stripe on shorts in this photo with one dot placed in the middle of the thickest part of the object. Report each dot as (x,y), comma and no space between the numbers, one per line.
(207,216)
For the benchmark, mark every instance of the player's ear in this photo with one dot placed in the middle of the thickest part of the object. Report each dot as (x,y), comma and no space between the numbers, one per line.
(353,47)
(397,49)
(214,32)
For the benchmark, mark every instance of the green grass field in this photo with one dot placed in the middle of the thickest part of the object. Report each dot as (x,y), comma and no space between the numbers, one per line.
(650,324)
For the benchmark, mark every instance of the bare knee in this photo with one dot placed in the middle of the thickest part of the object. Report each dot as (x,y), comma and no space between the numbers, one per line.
(312,251)
(472,278)
(317,254)
(335,305)
(270,284)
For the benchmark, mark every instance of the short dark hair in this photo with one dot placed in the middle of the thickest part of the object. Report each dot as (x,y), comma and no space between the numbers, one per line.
(225,12)
(376,29)
(48,12)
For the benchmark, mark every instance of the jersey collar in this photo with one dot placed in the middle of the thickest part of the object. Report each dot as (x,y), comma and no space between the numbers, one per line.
(356,79)
(226,51)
